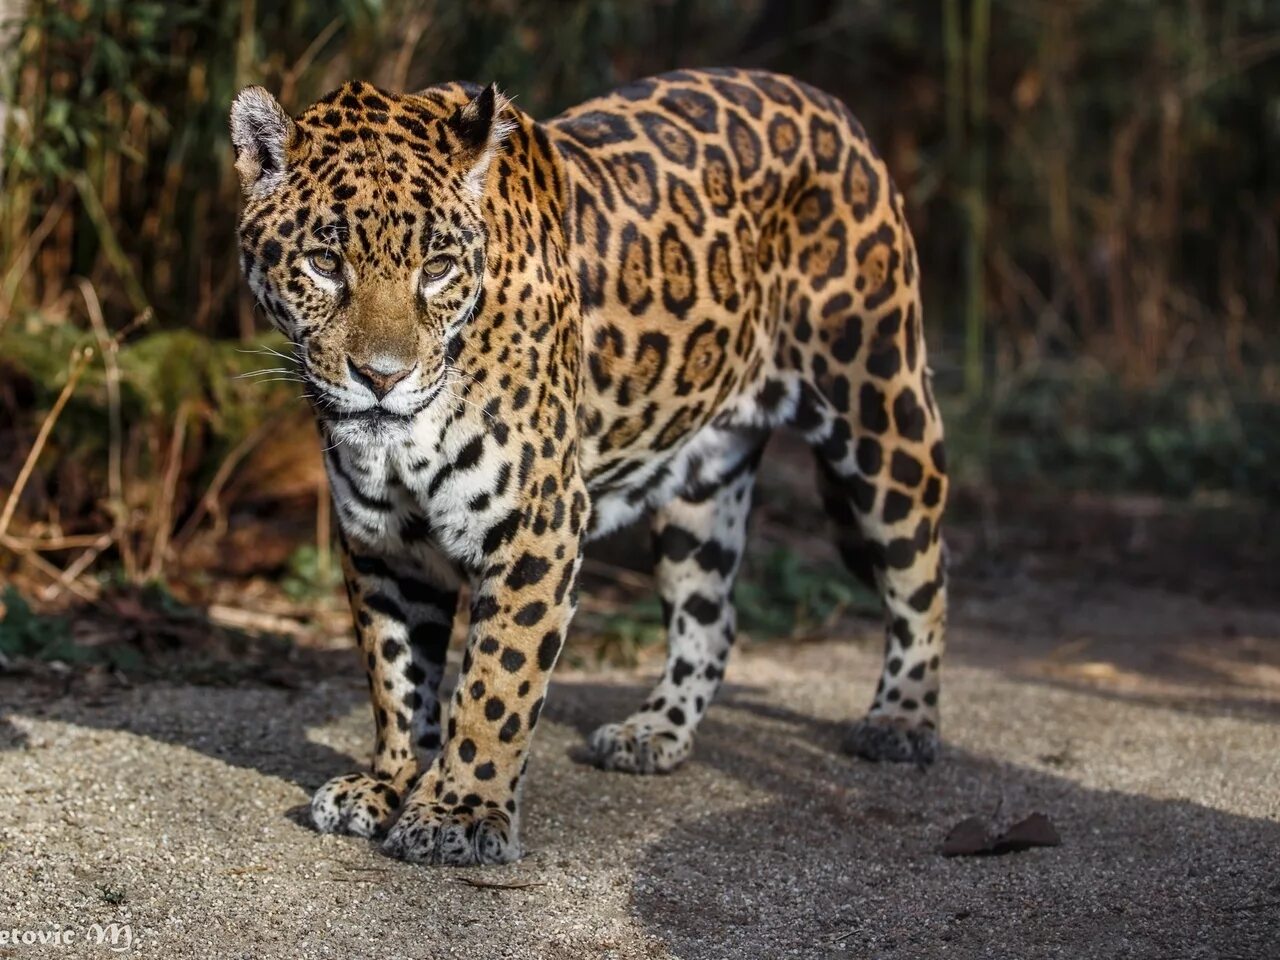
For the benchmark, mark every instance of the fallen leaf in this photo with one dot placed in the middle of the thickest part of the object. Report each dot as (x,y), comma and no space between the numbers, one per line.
(967,838)
(972,837)
(1036,830)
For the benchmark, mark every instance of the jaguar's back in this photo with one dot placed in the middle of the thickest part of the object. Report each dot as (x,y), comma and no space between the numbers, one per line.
(733,234)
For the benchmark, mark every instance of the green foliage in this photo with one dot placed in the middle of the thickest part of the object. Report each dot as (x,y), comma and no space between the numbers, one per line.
(623,635)
(104,53)
(144,632)
(160,374)
(1067,428)
(310,576)
(780,593)
(25,633)
(783,593)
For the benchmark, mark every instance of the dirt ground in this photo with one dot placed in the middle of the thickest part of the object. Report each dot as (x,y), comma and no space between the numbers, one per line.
(1145,725)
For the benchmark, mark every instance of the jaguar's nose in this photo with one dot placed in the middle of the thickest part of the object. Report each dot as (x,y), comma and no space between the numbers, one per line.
(379,375)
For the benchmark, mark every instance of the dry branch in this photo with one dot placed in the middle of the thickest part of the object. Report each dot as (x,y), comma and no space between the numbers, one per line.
(168,492)
(110,348)
(79,360)
(208,504)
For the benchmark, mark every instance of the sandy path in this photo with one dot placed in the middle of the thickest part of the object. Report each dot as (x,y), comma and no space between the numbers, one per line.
(1164,781)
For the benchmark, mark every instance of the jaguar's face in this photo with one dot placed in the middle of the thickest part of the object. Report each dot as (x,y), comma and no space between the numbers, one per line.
(364,240)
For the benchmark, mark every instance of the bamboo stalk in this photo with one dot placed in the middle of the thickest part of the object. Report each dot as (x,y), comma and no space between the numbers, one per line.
(253,620)
(246,42)
(110,242)
(976,197)
(953,55)
(289,84)
(87,592)
(23,259)
(53,544)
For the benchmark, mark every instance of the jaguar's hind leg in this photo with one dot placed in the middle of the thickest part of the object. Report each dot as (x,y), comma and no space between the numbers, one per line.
(698,540)
(889,537)
(882,475)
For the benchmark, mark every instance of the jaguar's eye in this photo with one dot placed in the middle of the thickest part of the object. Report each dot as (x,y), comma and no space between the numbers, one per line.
(437,268)
(326,263)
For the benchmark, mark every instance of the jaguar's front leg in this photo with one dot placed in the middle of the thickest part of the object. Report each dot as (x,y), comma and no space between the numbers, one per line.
(465,808)
(403,617)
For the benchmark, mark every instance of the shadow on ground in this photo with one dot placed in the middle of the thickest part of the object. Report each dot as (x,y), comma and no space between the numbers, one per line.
(186,716)
(841,858)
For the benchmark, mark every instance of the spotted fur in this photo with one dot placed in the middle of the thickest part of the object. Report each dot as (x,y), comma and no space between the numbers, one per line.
(521,335)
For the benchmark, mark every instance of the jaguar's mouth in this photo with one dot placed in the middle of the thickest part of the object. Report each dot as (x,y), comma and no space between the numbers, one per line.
(371,416)
(375,426)
(375,423)
(331,412)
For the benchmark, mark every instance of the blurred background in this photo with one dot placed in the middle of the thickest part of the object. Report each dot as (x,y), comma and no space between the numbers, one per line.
(1094,186)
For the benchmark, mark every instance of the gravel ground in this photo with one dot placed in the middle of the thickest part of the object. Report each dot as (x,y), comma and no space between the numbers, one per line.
(1146,726)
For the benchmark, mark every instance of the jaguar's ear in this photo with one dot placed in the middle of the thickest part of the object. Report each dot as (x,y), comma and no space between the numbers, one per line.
(481,126)
(260,132)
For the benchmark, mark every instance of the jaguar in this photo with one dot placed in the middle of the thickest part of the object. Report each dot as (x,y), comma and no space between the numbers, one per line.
(518,336)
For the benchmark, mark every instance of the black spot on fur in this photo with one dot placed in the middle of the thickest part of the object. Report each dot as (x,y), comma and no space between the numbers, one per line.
(675,543)
(703,610)
(871,411)
(906,469)
(897,506)
(527,571)
(870,456)
(548,650)
(531,614)
(510,727)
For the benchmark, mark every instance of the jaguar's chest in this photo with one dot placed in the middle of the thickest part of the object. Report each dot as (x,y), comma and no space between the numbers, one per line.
(412,499)
(439,489)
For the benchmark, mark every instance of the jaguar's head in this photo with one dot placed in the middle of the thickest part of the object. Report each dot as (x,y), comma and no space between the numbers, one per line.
(364,240)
